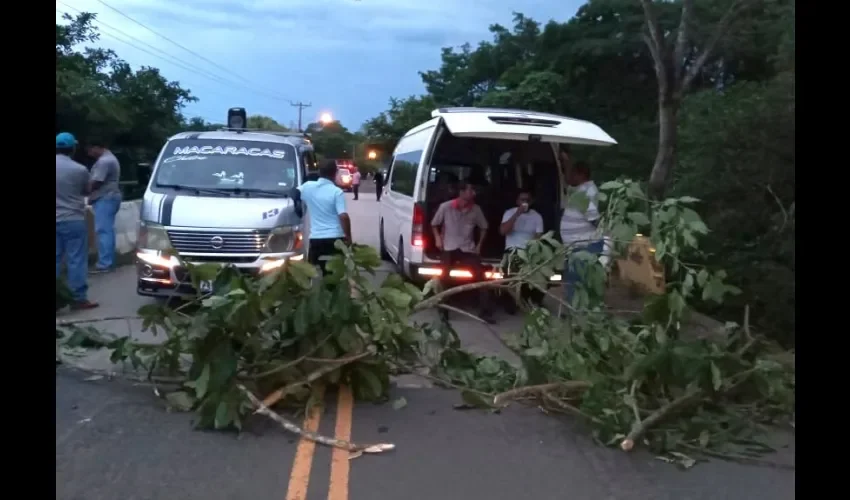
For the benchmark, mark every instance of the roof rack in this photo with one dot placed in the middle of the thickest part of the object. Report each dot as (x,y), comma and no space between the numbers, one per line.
(263,131)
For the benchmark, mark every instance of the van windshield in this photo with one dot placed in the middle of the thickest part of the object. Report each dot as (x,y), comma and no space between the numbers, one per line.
(222,164)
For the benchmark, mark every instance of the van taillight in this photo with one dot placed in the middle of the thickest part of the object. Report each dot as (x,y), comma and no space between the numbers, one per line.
(417,236)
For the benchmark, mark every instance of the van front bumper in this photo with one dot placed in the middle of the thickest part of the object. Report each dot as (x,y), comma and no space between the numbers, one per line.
(168,276)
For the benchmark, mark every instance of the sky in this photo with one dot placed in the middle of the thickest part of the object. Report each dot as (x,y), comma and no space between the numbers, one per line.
(345,57)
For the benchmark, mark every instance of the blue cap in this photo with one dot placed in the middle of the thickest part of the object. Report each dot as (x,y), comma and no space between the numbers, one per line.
(65,140)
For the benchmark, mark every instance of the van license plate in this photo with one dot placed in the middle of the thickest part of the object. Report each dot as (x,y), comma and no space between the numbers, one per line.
(205,286)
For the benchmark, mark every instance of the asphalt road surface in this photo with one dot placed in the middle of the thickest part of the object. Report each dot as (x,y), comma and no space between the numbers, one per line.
(115,440)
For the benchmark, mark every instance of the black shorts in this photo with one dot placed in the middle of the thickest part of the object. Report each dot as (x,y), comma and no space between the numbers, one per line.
(321,247)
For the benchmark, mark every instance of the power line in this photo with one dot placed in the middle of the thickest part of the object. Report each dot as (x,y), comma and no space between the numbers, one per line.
(171,41)
(173,59)
(177,64)
(300,106)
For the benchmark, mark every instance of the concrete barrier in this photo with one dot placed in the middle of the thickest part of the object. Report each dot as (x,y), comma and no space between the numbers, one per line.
(126,227)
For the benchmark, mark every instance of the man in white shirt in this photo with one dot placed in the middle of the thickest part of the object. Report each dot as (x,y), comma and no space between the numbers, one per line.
(579,227)
(520,225)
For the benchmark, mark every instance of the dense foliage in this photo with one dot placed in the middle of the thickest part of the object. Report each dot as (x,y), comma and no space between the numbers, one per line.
(736,124)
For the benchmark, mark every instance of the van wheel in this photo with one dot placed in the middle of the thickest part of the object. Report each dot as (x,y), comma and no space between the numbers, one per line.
(381,246)
(400,261)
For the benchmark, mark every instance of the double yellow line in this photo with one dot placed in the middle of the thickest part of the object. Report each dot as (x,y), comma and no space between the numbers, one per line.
(299,479)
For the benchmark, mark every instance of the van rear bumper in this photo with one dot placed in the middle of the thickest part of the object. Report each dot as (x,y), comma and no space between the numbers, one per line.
(168,276)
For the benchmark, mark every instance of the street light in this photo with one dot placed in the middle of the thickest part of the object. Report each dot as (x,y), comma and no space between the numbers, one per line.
(326,118)
(372,154)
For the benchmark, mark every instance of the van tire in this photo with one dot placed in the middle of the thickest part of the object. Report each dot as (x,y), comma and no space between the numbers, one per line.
(382,247)
(400,261)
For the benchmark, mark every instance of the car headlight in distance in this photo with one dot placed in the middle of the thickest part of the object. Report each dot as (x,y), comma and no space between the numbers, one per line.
(153,237)
(283,239)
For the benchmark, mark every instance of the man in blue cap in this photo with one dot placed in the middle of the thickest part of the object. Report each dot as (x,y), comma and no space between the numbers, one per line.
(72,186)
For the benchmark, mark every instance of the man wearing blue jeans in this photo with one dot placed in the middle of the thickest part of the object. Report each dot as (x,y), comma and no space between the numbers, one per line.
(72,185)
(105,201)
(579,227)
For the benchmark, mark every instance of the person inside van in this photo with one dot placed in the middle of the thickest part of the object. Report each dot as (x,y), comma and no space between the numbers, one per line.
(453,225)
(329,221)
(579,229)
(520,225)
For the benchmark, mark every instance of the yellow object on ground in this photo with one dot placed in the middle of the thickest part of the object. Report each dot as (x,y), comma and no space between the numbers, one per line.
(640,268)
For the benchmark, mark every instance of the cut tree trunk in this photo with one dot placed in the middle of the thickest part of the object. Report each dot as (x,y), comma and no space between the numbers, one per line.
(665,158)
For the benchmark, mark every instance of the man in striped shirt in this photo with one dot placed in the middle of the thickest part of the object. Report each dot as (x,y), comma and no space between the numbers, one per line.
(579,229)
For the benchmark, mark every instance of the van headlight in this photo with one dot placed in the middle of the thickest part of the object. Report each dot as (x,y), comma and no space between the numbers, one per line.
(283,239)
(153,237)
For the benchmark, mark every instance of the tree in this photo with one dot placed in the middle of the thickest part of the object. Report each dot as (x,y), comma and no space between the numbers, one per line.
(99,95)
(265,123)
(678,61)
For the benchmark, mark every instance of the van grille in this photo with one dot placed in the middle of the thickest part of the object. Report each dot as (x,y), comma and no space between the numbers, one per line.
(516,120)
(230,241)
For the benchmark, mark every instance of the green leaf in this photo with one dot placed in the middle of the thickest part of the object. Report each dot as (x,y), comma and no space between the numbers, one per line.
(716,378)
(431,287)
(223,415)
(301,319)
(476,400)
(687,199)
(180,400)
(202,382)
(535,352)
(369,385)
(638,218)
(396,298)
(607,186)
(399,403)
(702,277)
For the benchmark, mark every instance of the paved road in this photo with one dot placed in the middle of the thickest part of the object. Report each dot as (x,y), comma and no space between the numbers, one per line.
(115,440)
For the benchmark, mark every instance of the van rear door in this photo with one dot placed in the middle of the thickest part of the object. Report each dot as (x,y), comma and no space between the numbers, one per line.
(517,125)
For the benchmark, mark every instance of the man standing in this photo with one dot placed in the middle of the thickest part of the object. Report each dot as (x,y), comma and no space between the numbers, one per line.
(105,201)
(72,185)
(355,184)
(520,225)
(579,227)
(379,184)
(329,219)
(452,225)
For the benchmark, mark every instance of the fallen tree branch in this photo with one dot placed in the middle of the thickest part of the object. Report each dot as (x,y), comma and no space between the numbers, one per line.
(539,390)
(640,427)
(312,436)
(279,394)
(70,322)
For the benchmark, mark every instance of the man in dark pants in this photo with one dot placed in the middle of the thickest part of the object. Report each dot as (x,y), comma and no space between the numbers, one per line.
(329,219)
(379,184)
(73,183)
(453,226)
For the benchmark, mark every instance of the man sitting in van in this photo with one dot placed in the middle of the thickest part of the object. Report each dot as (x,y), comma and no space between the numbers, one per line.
(579,228)
(520,225)
(329,219)
(453,225)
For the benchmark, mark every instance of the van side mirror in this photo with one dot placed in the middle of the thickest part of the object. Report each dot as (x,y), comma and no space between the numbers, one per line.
(312,176)
(143,173)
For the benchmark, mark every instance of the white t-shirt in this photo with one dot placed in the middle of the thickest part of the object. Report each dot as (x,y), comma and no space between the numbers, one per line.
(355,179)
(526,226)
(576,226)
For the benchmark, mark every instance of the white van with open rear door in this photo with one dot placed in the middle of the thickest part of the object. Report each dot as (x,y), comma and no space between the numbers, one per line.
(498,151)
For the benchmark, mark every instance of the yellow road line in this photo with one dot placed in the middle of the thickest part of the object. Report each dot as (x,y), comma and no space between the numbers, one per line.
(338,489)
(299,479)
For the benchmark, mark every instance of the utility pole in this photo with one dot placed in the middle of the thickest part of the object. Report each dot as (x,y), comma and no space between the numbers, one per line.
(300,105)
